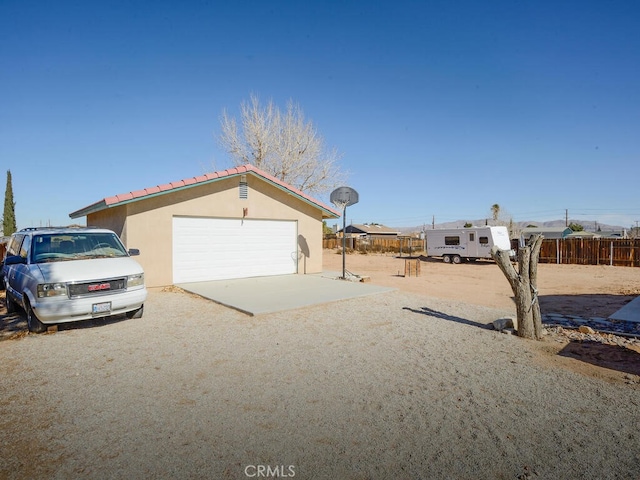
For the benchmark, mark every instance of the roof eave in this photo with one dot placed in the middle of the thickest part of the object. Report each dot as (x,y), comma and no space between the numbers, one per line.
(96,207)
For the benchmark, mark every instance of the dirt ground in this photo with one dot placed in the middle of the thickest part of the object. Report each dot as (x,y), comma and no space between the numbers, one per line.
(583,290)
(401,384)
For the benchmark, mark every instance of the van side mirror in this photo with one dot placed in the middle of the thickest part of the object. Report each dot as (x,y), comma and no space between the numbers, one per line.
(134,251)
(14,260)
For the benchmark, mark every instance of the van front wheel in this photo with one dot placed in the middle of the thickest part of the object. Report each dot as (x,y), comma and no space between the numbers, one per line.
(35,325)
(446,259)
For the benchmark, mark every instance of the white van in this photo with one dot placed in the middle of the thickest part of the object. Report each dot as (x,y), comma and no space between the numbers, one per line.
(455,244)
(61,275)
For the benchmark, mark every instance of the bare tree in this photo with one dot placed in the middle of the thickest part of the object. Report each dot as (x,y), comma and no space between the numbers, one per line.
(524,284)
(283,144)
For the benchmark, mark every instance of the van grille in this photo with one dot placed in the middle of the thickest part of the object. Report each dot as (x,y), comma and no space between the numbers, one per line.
(99,287)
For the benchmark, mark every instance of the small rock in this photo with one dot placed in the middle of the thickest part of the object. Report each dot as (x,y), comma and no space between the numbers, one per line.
(586,329)
(502,323)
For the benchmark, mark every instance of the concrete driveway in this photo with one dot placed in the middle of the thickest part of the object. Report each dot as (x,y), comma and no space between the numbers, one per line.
(258,295)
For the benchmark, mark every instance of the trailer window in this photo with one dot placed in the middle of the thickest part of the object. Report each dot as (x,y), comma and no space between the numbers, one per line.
(483,240)
(452,240)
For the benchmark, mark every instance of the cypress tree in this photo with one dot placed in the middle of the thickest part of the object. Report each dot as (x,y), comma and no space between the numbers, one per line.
(9,216)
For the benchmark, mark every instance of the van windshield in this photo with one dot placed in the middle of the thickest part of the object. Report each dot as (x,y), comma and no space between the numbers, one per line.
(58,247)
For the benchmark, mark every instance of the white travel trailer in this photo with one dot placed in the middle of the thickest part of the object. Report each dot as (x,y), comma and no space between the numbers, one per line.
(455,244)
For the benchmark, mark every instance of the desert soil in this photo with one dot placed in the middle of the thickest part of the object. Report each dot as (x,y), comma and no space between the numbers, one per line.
(583,290)
(407,384)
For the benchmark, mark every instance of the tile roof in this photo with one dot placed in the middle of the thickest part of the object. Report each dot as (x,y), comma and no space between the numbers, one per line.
(128,197)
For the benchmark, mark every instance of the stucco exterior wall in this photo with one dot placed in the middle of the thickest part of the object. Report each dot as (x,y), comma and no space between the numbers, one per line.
(146,224)
(114,219)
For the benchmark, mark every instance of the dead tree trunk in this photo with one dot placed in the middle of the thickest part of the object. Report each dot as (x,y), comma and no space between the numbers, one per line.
(524,284)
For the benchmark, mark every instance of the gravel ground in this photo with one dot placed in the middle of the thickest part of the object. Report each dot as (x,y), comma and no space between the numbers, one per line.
(396,385)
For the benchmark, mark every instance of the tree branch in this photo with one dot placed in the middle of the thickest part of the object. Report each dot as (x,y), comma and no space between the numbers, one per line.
(282,144)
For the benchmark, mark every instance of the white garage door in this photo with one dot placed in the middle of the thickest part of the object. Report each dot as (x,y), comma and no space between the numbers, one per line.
(223,248)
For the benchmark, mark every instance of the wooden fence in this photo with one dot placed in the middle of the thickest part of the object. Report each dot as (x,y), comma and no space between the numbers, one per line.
(577,251)
(400,245)
(591,251)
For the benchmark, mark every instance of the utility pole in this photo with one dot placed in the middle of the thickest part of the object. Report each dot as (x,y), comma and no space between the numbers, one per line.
(433,222)
(566,217)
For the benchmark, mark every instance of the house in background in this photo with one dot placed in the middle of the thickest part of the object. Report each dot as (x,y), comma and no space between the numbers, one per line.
(583,234)
(614,233)
(373,230)
(546,232)
(236,223)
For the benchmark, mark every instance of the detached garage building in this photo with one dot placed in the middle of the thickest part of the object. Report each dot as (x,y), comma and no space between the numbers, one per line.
(236,223)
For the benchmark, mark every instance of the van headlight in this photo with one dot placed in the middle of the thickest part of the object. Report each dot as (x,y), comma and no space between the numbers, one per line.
(135,280)
(52,290)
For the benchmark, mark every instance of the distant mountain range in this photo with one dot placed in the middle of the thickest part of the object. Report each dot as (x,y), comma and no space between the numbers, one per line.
(589,226)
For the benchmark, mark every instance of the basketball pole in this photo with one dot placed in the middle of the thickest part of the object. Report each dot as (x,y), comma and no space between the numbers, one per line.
(344,242)
(342,197)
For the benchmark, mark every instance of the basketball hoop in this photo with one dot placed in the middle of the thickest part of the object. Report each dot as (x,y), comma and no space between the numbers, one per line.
(340,205)
(342,197)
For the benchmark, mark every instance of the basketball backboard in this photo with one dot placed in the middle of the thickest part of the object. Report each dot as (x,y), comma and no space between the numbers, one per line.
(343,197)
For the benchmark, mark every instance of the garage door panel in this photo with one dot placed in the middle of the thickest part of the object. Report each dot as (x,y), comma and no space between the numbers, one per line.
(214,248)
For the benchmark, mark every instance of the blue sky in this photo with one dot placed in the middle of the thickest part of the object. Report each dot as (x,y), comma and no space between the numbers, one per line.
(439,108)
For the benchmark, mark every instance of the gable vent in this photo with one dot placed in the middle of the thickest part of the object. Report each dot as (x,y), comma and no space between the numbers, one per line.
(244,190)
